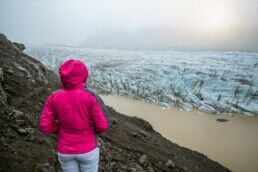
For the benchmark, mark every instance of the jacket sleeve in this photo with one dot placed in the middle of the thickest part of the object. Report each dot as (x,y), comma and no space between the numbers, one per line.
(99,114)
(47,121)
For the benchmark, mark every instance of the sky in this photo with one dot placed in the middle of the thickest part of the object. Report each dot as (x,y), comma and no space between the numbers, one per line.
(133,24)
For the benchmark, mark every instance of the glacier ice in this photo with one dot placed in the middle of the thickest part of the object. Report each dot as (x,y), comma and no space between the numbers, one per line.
(214,82)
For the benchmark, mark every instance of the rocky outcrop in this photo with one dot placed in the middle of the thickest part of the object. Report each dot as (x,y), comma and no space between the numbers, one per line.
(130,145)
(24,83)
(3,98)
(20,46)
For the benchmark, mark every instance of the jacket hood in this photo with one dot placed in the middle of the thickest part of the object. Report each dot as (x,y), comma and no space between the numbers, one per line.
(73,73)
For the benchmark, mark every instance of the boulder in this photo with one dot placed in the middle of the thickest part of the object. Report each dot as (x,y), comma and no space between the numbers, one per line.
(143,159)
(20,46)
(170,164)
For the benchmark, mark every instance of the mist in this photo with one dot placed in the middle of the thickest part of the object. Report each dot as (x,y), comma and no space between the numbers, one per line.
(131,24)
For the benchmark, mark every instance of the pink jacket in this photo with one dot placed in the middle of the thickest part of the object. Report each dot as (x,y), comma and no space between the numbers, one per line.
(73,112)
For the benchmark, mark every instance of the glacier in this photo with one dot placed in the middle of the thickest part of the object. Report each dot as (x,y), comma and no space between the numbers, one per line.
(208,81)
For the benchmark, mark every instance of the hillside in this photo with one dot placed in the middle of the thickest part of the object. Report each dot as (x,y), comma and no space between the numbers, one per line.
(130,145)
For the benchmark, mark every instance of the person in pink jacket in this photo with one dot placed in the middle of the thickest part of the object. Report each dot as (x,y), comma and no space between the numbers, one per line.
(75,114)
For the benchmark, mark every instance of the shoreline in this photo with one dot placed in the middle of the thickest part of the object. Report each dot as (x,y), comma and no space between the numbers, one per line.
(232,143)
(194,110)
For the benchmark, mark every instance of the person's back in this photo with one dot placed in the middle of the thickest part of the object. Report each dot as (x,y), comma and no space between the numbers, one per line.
(76,115)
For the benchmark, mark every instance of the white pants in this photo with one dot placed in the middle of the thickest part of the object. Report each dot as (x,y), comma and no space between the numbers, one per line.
(86,162)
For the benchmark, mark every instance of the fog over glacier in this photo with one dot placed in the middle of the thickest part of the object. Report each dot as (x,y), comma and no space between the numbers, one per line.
(133,24)
(210,81)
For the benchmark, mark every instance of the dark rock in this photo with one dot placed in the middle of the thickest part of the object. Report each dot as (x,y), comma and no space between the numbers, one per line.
(20,122)
(143,159)
(2,36)
(150,169)
(1,75)
(170,164)
(10,71)
(46,168)
(133,169)
(138,167)
(185,168)
(17,113)
(3,97)
(143,133)
(147,126)
(112,164)
(134,134)
(32,138)
(29,130)
(113,121)
(222,120)
(22,131)
(20,46)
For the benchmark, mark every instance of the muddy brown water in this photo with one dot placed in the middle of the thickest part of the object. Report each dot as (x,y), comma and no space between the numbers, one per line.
(234,143)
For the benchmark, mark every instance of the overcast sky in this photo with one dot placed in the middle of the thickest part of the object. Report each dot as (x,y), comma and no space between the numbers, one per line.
(133,24)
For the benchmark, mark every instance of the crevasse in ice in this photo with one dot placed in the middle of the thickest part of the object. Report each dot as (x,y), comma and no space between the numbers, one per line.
(216,82)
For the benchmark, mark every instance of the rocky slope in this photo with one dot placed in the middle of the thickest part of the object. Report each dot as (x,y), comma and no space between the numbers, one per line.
(130,145)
